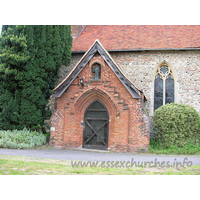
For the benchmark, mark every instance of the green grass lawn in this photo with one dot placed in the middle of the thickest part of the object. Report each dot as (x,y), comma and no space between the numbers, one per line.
(188,149)
(19,165)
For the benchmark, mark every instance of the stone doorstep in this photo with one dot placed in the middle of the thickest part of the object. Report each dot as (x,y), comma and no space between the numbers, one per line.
(91,150)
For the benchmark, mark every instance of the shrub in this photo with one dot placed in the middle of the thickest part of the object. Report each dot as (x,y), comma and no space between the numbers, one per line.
(21,139)
(176,125)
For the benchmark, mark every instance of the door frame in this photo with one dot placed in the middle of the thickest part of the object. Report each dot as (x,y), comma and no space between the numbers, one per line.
(96,146)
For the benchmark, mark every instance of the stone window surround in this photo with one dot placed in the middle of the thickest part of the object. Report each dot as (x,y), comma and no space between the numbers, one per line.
(176,85)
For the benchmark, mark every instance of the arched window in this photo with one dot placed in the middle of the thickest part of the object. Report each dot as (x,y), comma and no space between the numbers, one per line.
(163,86)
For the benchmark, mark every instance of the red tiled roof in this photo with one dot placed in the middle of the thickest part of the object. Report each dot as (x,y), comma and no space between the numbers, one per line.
(127,37)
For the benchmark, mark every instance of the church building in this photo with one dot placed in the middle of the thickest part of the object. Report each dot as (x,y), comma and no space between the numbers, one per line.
(118,77)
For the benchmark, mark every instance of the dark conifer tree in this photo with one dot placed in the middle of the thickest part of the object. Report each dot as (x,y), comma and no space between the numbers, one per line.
(13,58)
(30,60)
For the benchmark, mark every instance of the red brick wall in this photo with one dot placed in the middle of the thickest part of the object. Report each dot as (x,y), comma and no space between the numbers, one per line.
(127,124)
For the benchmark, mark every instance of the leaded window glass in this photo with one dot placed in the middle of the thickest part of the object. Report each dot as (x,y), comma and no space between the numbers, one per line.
(158,94)
(163,87)
(169,91)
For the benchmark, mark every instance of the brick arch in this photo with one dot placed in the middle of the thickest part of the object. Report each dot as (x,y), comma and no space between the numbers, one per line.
(92,95)
(98,61)
(89,97)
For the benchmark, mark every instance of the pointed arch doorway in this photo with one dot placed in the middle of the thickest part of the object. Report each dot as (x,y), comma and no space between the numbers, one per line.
(96,120)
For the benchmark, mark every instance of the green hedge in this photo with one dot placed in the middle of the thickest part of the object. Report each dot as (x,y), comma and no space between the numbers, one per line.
(23,139)
(177,125)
